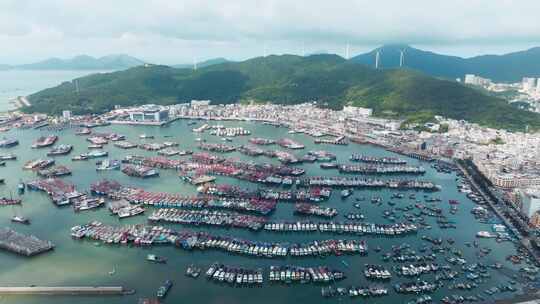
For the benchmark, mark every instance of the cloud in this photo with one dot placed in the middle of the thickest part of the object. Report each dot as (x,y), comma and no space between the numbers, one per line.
(175,31)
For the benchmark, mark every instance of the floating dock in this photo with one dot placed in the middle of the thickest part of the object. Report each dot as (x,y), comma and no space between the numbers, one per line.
(65,290)
(23,244)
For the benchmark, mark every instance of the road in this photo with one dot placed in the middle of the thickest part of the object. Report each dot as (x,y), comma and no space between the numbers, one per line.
(525,242)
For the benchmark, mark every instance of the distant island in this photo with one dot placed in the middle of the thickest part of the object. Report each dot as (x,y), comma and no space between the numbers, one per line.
(510,67)
(82,62)
(287,79)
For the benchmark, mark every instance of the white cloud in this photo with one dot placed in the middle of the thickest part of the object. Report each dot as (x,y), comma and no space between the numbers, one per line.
(175,31)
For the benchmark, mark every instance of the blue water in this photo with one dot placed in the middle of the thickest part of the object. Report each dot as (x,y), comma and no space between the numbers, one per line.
(15,83)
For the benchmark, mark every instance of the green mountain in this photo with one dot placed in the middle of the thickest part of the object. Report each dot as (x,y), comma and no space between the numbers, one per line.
(202,64)
(510,67)
(287,79)
(82,62)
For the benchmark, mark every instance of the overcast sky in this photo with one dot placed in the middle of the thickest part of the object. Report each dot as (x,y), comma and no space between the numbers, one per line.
(177,31)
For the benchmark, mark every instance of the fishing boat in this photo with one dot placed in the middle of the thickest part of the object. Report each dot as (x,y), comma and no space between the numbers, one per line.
(106,165)
(346,193)
(91,154)
(156,259)
(21,187)
(193,272)
(9,156)
(38,164)
(44,141)
(163,289)
(140,171)
(329,166)
(17,218)
(20,220)
(8,142)
(146,136)
(60,150)
(80,157)
(97,153)
(95,146)
(83,131)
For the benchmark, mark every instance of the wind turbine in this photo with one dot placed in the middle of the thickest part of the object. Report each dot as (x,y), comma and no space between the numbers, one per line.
(347,49)
(377,59)
(401,58)
(194,63)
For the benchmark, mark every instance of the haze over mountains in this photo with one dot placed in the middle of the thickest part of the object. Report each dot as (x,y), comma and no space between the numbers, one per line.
(82,62)
(510,67)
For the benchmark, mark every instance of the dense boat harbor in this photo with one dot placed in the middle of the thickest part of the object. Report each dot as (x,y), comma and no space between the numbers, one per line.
(283,227)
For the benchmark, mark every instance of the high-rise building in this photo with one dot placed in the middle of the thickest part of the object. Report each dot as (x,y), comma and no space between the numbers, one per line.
(538,86)
(66,114)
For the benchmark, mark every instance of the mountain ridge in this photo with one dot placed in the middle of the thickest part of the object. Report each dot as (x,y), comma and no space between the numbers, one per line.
(510,67)
(286,79)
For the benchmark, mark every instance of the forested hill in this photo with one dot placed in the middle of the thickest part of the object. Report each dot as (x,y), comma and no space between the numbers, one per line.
(286,79)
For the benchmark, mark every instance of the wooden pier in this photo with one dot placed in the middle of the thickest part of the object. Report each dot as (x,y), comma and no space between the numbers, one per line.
(65,290)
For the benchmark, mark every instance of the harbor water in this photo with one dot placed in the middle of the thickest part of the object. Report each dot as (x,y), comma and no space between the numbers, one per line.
(82,262)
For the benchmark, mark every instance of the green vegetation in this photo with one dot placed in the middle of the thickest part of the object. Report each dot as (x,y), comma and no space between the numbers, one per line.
(443,128)
(288,79)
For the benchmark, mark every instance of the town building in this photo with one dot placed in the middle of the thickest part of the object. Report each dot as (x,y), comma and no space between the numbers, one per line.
(149,114)
(357,111)
(477,80)
(531,202)
(528,84)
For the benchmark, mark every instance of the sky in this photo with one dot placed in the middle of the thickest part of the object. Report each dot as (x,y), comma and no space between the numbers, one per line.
(171,32)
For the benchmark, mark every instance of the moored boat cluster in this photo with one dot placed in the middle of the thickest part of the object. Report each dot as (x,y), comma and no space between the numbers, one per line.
(142,235)
(207,217)
(237,276)
(298,274)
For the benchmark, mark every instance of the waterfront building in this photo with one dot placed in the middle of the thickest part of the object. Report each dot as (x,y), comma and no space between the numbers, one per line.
(149,114)
(531,202)
(477,80)
(357,111)
(66,114)
(199,103)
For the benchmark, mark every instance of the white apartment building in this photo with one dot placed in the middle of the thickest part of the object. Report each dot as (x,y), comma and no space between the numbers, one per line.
(477,80)
(530,202)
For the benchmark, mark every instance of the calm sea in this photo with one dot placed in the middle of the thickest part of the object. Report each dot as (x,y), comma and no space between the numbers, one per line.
(15,83)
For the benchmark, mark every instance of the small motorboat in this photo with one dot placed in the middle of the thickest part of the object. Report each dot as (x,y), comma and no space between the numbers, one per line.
(20,220)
